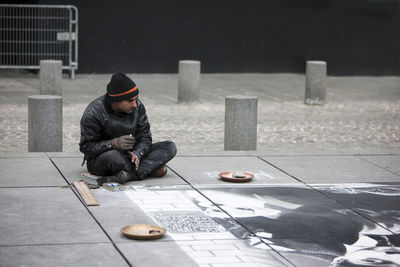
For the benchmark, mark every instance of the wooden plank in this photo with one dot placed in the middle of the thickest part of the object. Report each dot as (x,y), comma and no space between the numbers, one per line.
(85,193)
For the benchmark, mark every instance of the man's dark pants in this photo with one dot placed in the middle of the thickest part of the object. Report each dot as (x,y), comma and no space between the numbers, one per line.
(111,162)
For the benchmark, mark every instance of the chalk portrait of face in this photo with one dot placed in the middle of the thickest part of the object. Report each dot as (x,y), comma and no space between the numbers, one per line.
(339,230)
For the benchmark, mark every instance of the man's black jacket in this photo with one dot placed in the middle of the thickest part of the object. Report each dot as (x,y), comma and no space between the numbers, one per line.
(100,124)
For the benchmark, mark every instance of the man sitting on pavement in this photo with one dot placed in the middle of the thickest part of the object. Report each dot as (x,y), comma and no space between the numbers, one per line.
(116,138)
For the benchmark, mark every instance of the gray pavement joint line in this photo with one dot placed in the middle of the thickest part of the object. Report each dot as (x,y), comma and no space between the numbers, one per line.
(36,186)
(54,244)
(370,162)
(325,195)
(276,167)
(378,154)
(328,155)
(59,171)
(262,154)
(94,218)
(18,157)
(233,218)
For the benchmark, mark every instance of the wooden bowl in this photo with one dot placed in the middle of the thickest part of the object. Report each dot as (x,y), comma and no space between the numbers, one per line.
(228,177)
(143,231)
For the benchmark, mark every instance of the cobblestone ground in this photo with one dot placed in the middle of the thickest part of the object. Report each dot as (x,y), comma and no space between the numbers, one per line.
(282,126)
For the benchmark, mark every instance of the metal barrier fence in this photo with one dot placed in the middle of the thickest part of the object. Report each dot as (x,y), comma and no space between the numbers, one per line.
(30,33)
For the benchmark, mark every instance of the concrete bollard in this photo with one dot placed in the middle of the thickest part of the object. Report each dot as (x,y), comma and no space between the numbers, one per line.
(189,81)
(315,82)
(50,77)
(44,123)
(240,123)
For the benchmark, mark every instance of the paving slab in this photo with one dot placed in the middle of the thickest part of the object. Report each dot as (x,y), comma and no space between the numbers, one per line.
(332,169)
(71,168)
(20,172)
(116,210)
(205,170)
(379,203)
(61,255)
(153,253)
(23,155)
(65,154)
(73,171)
(45,216)
(388,162)
(297,219)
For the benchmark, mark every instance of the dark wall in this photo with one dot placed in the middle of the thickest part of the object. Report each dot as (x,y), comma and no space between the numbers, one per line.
(353,36)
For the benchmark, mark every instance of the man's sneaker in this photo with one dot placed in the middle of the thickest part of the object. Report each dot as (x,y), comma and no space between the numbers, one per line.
(105,179)
(124,176)
(159,172)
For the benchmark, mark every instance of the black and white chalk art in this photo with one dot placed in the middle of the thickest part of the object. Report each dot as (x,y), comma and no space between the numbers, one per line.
(342,225)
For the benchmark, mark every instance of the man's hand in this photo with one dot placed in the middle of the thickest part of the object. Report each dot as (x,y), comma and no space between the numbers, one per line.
(135,159)
(124,142)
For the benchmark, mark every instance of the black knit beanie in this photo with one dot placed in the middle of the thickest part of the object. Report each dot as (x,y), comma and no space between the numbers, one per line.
(121,87)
